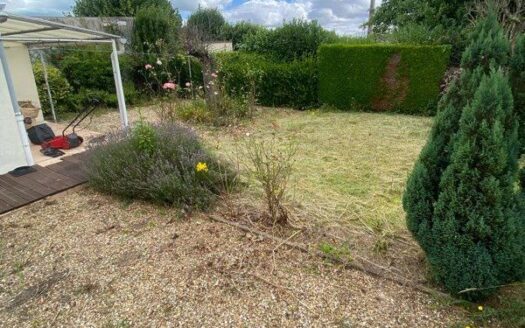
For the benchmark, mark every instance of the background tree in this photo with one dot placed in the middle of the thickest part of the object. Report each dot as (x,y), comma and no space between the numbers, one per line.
(444,20)
(459,196)
(155,30)
(208,22)
(296,39)
(238,32)
(120,8)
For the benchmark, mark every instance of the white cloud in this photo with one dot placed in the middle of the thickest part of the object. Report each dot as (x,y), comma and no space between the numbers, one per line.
(269,13)
(342,16)
(191,5)
(39,8)
(345,17)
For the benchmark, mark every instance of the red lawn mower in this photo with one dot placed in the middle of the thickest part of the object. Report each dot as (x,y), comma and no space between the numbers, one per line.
(72,140)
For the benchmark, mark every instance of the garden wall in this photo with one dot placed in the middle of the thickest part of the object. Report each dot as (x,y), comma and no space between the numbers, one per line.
(382,77)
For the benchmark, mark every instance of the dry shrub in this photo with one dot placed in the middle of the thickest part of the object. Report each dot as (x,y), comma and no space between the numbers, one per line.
(167,110)
(271,165)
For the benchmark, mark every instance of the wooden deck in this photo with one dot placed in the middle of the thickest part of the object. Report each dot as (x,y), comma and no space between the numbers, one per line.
(16,192)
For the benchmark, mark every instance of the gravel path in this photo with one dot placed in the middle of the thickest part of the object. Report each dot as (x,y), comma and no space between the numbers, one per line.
(88,260)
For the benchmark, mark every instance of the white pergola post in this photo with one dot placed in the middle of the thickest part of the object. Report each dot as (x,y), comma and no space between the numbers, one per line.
(118,85)
(18,114)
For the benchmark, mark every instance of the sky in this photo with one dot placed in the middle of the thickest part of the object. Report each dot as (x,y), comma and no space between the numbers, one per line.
(342,16)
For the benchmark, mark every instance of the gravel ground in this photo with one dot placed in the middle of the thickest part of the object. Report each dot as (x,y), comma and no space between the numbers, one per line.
(88,260)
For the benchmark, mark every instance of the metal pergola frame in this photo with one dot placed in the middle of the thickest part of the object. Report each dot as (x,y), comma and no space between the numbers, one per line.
(32,31)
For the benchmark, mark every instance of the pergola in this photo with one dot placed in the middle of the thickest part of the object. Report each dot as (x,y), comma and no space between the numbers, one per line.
(36,32)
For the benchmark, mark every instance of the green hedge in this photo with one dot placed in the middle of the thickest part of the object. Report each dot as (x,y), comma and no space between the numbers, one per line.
(368,76)
(292,84)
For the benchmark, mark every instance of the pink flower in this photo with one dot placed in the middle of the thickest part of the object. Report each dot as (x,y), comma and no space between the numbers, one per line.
(188,84)
(214,75)
(148,66)
(169,86)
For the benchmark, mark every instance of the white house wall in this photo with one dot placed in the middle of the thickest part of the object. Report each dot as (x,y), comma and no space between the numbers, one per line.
(11,148)
(22,75)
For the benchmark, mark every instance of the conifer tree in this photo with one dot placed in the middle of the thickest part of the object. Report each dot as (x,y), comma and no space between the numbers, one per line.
(488,47)
(476,242)
(518,84)
(461,200)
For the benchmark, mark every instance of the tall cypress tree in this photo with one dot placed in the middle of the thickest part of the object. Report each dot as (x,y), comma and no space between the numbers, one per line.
(488,47)
(475,238)
(461,202)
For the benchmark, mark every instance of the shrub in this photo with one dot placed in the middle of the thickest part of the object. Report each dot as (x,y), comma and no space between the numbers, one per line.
(292,84)
(237,33)
(462,202)
(86,97)
(222,111)
(90,74)
(58,84)
(382,77)
(294,40)
(174,68)
(194,111)
(90,68)
(152,27)
(271,165)
(165,163)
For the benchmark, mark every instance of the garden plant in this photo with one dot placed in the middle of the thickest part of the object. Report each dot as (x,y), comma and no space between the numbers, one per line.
(462,201)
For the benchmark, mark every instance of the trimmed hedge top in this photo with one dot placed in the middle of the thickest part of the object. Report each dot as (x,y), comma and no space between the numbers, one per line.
(382,77)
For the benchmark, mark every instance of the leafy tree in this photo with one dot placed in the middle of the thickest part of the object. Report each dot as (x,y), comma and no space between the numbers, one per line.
(155,30)
(116,8)
(460,198)
(237,33)
(444,20)
(208,22)
(294,40)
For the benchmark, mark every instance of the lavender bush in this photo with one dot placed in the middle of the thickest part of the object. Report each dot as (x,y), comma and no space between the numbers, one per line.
(162,163)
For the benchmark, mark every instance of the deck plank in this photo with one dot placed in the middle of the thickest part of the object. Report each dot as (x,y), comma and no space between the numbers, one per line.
(45,181)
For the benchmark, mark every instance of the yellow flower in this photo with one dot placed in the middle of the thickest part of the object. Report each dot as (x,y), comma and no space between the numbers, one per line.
(201,167)
(480,308)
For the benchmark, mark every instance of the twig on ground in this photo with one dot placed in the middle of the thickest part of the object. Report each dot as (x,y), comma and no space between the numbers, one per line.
(360,263)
